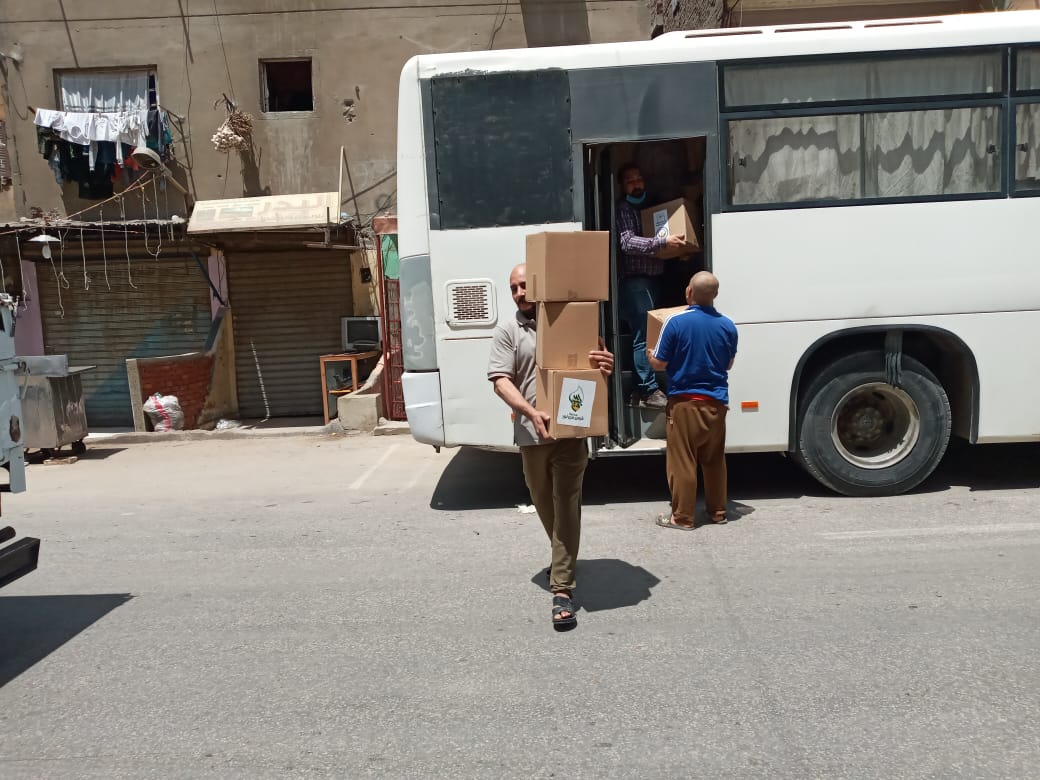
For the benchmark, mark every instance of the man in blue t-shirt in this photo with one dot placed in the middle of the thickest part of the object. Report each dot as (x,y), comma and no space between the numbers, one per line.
(697,348)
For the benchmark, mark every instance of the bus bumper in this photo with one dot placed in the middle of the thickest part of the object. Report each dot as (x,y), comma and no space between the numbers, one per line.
(422,405)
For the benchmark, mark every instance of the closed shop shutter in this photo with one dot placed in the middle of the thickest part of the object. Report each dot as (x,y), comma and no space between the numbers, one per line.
(288,306)
(165,311)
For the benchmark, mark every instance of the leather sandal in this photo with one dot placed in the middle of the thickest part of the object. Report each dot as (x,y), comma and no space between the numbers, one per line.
(563,604)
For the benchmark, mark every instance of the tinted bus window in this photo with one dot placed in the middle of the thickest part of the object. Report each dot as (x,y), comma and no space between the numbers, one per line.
(502,143)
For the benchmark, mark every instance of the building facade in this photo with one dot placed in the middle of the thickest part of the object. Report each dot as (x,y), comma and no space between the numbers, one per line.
(318,81)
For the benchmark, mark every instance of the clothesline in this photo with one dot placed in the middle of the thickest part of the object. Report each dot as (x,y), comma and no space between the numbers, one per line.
(64,222)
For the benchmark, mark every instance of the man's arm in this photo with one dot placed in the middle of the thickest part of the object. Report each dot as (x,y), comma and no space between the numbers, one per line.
(508,392)
(655,364)
(628,234)
(634,244)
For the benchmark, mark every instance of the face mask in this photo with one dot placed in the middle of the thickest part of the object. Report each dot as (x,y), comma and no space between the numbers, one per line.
(634,200)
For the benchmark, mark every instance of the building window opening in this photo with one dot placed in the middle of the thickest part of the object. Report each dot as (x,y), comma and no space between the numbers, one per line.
(286,85)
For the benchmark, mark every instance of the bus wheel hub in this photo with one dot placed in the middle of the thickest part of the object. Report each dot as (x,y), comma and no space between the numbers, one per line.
(875,425)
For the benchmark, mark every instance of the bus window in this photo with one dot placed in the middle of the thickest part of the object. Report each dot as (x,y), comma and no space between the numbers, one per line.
(854,157)
(1027,67)
(857,80)
(502,143)
(1027,147)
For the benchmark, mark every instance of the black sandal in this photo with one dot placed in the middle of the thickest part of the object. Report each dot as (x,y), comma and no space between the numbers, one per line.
(563,604)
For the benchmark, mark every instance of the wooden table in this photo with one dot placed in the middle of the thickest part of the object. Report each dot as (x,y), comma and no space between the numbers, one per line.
(343,357)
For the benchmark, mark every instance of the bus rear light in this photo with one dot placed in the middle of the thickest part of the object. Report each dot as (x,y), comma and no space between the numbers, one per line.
(749,406)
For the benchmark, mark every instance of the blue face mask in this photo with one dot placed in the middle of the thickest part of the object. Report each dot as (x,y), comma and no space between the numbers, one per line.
(636,201)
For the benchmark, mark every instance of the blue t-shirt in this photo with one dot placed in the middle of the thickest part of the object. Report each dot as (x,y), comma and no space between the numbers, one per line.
(698,345)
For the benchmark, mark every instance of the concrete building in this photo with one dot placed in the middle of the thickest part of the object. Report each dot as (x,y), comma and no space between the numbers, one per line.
(320,82)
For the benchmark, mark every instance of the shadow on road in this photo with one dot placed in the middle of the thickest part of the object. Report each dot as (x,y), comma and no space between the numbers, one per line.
(607,583)
(36,626)
(986,467)
(478,479)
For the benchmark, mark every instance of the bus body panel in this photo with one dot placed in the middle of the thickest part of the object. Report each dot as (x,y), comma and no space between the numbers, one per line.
(413,218)
(976,29)
(423,406)
(899,260)
(473,414)
(790,276)
(769,353)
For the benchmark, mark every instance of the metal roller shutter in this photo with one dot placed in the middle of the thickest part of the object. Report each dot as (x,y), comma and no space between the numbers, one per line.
(167,314)
(288,305)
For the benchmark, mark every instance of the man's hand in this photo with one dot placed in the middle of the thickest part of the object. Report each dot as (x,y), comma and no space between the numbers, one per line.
(676,242)
(655,364)
(602,359)
(541,423)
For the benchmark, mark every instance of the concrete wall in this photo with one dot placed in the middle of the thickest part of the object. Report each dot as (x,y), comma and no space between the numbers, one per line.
(199,56)
(204,382)
(222,398)
(185,376)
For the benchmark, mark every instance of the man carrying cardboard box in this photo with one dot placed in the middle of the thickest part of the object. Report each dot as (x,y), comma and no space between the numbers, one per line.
(697,348)
(641,272)
(553,470)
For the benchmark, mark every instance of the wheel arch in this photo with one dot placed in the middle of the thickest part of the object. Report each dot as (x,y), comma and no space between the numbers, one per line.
(943,352)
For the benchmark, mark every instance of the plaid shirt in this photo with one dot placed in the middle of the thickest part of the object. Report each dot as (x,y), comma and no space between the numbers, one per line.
(636,252)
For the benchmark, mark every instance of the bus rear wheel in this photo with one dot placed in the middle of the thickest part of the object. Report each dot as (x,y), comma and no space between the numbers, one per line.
(860,436)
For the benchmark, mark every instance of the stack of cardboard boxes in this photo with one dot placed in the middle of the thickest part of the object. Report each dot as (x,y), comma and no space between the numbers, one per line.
(568,274)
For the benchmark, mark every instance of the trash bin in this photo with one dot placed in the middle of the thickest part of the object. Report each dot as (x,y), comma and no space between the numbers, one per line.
(53,411)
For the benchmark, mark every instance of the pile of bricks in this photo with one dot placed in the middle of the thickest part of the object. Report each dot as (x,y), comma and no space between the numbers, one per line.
(185,376)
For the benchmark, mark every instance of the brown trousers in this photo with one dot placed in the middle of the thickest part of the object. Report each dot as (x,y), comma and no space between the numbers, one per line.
(554,473)
(696,435)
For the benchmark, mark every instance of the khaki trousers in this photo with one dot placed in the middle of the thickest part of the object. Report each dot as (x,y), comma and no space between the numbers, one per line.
(696,436)
(554,473)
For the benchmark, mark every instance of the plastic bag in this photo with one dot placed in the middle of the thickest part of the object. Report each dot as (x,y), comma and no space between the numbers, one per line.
(165,412)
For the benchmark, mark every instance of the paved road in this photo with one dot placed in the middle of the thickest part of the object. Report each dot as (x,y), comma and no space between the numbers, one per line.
(364,607)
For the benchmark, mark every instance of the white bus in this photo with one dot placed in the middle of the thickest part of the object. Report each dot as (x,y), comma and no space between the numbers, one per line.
(867,194)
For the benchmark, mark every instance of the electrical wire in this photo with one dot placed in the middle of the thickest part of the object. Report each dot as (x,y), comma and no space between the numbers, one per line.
(223,48)
(104,252)
(126,245)
(83,250)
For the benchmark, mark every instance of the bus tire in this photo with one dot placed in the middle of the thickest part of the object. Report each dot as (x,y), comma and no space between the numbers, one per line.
(860,436)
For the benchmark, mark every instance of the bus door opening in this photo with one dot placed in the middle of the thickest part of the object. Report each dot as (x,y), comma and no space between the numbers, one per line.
(673,171)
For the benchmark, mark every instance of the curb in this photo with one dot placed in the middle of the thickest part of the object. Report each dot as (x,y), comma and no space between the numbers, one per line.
(386,428)
(150,437)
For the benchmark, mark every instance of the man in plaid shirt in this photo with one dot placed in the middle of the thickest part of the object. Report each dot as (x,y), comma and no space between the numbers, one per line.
(641,272)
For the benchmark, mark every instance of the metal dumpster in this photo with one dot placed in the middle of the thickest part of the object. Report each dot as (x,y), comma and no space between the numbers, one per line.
(53,411)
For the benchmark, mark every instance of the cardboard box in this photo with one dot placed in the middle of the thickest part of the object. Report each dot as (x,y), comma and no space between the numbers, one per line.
(566,333)
(669,219)
(655,320)
(575,400)
(571,266)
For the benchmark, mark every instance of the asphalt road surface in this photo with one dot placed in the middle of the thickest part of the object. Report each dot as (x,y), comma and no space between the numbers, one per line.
(365,607)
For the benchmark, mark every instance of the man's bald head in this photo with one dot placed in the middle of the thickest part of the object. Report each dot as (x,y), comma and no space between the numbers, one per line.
(518,288)
(702,289)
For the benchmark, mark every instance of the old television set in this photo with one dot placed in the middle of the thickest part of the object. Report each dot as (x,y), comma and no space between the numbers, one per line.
(360,334)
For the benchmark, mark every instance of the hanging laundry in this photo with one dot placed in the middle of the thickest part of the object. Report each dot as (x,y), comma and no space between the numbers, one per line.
(94,149)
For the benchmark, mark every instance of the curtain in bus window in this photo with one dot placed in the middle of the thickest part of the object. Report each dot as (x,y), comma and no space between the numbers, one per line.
(1028,70)
(935,152)
(126,91)
(790,159)
(1027,147)
(872,79)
